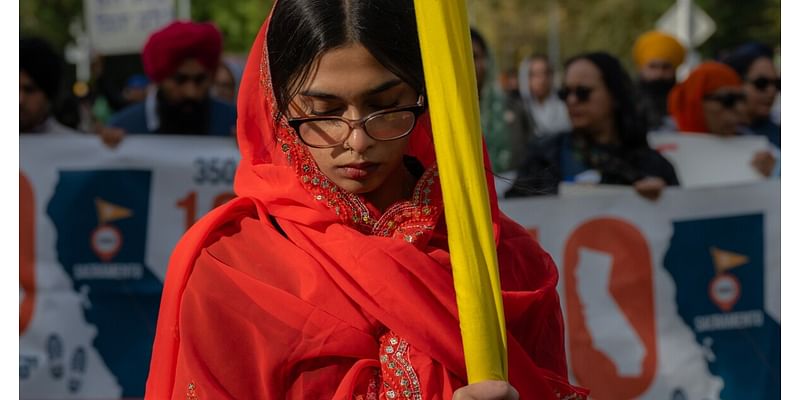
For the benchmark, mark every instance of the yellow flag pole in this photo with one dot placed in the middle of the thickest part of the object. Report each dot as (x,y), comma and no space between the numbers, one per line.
(453,102)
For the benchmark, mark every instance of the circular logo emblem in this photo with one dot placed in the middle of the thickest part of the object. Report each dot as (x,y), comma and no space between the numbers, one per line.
(106,242)
(725,291)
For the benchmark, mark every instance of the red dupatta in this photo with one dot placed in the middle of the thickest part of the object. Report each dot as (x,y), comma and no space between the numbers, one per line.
(285,291)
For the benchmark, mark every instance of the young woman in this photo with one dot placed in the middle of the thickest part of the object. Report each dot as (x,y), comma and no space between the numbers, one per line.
(607,143)
(329,276)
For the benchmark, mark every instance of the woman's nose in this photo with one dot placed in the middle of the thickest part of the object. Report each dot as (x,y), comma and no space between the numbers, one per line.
(359,141)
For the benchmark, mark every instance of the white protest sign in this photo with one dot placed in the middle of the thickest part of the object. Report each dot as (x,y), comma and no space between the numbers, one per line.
(122,26)
(702,160)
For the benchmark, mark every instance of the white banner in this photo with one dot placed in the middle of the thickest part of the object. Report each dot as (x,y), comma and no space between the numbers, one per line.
(123,26)
(677,299)
(101,225)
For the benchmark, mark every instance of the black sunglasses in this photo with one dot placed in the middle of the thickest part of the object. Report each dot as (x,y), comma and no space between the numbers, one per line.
(197,79)
(762,83)
(582,93)
(728,100)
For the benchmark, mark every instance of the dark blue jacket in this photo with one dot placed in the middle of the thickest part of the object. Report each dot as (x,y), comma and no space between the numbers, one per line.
(133,119)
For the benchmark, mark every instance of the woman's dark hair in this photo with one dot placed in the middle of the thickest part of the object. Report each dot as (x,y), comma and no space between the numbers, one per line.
(302,30)
(630,126)
(745,55)
(478,38)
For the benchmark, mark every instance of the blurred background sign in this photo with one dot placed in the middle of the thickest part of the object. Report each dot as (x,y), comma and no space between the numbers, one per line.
(122,26)
(693,34)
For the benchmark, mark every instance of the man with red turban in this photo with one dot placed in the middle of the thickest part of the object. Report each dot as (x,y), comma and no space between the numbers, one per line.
(710,100)
(181,59)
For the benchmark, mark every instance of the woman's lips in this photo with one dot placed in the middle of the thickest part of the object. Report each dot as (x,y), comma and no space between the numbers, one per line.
(359,171)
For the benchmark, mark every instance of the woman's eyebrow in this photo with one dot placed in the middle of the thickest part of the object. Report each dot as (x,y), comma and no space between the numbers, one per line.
(383,87)
(377,89)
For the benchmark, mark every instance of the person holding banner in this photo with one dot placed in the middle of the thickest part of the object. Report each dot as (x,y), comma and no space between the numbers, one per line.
(329,276)
(607,143)
(712,101)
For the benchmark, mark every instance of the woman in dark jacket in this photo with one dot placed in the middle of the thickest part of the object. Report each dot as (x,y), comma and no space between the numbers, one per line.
(608,141)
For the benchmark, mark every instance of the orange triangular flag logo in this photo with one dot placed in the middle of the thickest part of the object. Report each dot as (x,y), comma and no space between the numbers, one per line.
(109,212)
(727,260)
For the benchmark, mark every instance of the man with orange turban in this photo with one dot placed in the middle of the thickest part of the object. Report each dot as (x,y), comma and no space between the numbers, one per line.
(181,59)
(657,55)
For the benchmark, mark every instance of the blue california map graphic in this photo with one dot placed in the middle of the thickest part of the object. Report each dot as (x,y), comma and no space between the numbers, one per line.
(744,341)
(123,294)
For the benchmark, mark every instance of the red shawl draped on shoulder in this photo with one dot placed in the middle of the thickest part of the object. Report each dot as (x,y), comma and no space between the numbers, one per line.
(299,290)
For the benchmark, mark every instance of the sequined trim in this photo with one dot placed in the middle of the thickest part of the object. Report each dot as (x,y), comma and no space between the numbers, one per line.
(349,207)
(413,220)
(191,392)
(373,391)
(400,380)
(571,396)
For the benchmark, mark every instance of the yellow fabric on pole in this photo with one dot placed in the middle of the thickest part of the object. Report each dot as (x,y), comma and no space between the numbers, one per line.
(453,101)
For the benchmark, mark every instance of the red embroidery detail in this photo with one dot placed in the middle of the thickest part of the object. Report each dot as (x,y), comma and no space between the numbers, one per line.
(372,391)
(400,380)
(191,393)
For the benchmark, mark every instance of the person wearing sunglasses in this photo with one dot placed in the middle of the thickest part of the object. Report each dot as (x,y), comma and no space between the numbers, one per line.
(607,143)
(711,101)
(657,56)
(181,59)
(753,62)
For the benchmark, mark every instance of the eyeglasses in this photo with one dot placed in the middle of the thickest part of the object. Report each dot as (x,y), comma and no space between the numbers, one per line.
(762,83)
(582,93)
(727,100)
(384,125)
(198,79)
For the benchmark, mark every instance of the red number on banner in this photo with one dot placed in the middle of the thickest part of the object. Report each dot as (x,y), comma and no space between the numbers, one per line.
(631,286)
(27,253)
(223,198)
(189,205)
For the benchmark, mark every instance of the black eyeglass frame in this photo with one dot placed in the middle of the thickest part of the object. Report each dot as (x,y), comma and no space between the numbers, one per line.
(416,109)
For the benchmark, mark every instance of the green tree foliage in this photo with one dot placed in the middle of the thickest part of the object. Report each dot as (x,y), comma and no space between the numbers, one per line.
(517,28)
(49,19)
(238,20)
(514,28)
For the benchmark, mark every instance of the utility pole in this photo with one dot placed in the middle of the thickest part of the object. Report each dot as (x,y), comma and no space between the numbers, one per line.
(554,40)
(184,9)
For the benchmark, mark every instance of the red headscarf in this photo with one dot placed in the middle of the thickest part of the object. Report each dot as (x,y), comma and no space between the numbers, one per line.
(285,291)
(166,49)
(686,98)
